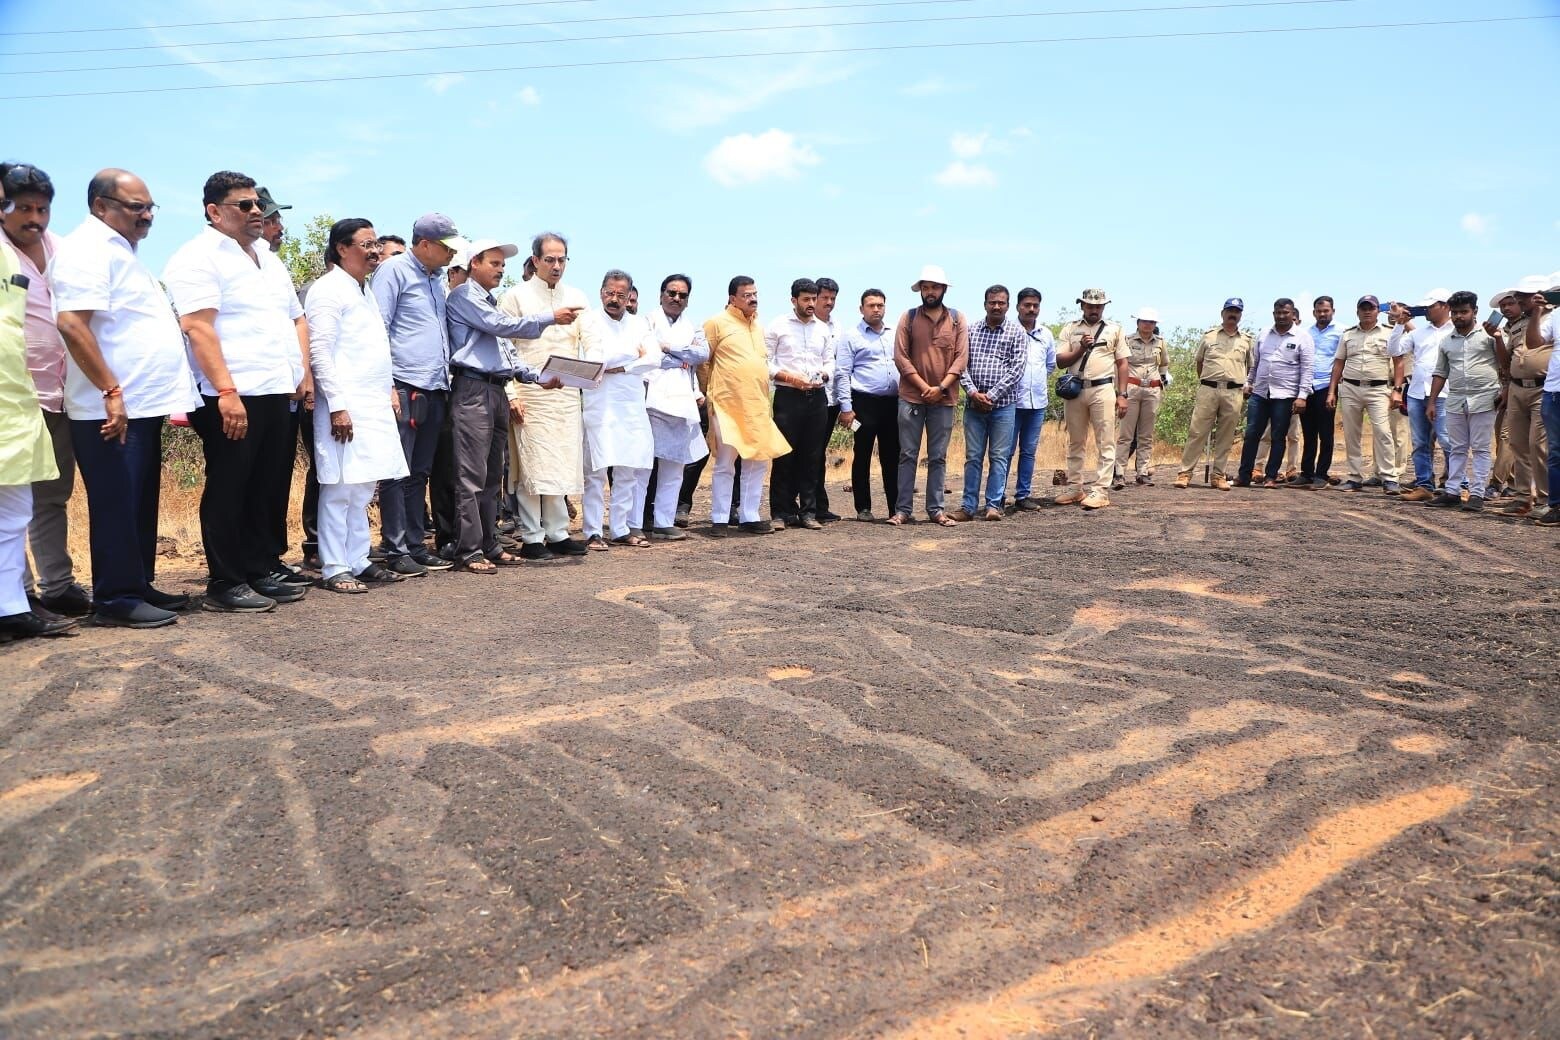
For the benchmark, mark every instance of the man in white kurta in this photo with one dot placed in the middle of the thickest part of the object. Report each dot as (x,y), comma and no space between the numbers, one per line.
(617,429)
(672,400)
(545,451)
(357,441)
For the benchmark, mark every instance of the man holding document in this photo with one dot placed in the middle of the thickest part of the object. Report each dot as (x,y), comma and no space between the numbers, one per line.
(481,367)
(546,460)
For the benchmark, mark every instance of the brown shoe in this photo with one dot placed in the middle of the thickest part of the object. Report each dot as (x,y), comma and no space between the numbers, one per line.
(1183,480)
(1419,494)
(1071,498)
(991,514)
(960,515)
(1516,507)
(1220,482)
(1096,500)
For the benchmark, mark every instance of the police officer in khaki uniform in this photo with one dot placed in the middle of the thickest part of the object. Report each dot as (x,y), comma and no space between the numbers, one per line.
(1148,371)
(1103,401)
(1223,363)
(1529,444)
(1365,378)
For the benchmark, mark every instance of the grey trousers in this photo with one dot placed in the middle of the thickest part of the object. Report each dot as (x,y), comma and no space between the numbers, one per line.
(47,532)
(479,414)
(936,422)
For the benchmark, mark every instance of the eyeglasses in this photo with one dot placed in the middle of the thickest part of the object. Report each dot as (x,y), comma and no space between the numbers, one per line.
(552,261)
(674,294)
(614,296)
(245,205)
(134,207)
(372,245)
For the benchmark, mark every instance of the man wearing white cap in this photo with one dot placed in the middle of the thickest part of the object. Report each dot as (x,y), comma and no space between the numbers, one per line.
(1420,349)
(1525,437)
(481,367)
(931,351)
(1148,371)
(1099,351)
(1543,330)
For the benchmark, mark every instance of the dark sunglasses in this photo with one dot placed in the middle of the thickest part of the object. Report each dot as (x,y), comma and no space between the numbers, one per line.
(134,207)
(674,294)
(245,205)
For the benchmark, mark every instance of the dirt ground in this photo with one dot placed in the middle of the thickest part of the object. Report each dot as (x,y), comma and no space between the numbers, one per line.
(1201,764)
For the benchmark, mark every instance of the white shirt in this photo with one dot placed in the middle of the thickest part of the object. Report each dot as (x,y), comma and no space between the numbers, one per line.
(1550,330)
(1283,367)
(255,305)
(96,269)
(1033,390)
(803,347)
(1424,343)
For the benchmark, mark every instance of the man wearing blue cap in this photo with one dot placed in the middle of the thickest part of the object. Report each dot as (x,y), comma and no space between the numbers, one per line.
(1223,361)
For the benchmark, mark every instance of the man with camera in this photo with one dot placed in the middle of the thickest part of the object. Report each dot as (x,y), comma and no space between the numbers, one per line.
(1095,354)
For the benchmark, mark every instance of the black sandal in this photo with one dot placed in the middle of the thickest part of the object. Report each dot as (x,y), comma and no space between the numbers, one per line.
(343,582)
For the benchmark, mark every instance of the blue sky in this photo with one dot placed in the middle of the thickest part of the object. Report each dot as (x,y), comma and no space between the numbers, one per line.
(1172,172)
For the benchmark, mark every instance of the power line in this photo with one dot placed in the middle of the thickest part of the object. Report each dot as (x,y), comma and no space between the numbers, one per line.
(377,52)
(294,18)
(879,48)
(471,28)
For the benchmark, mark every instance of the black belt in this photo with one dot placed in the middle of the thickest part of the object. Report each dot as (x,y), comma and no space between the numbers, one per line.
(413,388)
(486,377)
(799,390)
(1528,383)
(1367,382)
(1220,384)
(1100,382)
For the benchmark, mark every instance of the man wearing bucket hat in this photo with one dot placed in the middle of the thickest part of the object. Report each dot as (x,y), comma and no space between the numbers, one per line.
(1529,445)
(1096,351)
(1543,330)
(1148,371)
(271,211)
(1223,364)
(931,351)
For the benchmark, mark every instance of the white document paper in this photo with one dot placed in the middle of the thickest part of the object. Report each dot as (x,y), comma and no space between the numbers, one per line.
(583,375)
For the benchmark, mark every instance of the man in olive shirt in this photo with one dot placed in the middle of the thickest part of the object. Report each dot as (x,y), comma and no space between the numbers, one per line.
(1223,362)
(1369,377)
(1524,400)
(1096,350)
(931,348)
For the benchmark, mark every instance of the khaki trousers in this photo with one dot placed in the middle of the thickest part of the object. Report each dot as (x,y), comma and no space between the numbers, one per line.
(1402,443)
(1355,404)
(1529,442)
(1218,412)
(1094,409)
(1505,459)
(1142,410)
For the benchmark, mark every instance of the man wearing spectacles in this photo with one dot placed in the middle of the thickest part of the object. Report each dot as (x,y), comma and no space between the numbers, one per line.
(617,430)
(546,451)
(250,340)
(33,245)
(672,401)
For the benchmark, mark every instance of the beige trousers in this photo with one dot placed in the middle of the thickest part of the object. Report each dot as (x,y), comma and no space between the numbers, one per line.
(1094,409)
(1356,404)
(1142,410)
(1221,413)
(1529,442)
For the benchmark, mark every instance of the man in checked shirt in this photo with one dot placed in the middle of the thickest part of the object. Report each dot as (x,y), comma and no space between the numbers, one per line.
(998,348)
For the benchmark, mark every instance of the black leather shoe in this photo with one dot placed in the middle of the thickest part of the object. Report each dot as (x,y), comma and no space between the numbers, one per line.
(432,561)
(240,599)
(285,575)
(73,602)
(536,552)
(281,591)
(719,530)
(142,615)
(758,527)
(405,566)
(567,547)
(15,626)
(827,517)
(374,574)
(166,600)
(811,523)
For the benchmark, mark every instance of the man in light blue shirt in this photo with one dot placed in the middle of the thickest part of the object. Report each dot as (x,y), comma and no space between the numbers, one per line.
(1280,382)
(866,385)
(410,290)
(1317,421)
(1033,394)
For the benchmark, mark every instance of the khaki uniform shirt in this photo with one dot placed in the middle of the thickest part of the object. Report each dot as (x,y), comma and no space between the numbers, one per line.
(1526,363)
(1366,354)
(1102,359)
(1146,358)
(1224,357)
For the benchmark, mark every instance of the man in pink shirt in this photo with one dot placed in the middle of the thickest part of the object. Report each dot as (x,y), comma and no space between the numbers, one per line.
(27,235)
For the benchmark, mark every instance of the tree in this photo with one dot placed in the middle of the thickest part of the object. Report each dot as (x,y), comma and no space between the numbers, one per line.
(305,258)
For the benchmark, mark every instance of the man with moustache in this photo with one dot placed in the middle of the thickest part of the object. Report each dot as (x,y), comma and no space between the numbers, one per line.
(1529,445)
(1280,383)
(1223,363)
(272,229)
(33,245)
(801,363)
(1468,367)
(618,436)
(1363,386)
(739,406)
(1419,349)
(250,341)
(1543,330)
(931,351)
(866,384)
(997,349)
(1099,351)
(1033,395)
(672,402)
(823,310)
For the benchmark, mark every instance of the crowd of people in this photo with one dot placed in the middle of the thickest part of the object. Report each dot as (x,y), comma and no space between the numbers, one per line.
(479,404)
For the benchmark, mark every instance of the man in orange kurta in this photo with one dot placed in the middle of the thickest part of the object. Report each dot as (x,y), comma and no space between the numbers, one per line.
(740,414)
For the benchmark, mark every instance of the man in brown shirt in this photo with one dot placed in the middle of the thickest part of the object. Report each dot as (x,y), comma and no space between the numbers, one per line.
(1524,425)
(1096,350)
(931,348)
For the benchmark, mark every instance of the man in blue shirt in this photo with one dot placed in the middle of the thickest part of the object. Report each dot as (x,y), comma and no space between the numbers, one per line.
(1032,395)
(1317,421)
(866,385)
(410,291)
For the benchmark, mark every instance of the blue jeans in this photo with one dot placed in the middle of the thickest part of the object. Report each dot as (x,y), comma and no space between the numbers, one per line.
(123,489)
(1028,422)
(987,431)
(1274,415)
(1424,447)
(403,509)
(1550,410)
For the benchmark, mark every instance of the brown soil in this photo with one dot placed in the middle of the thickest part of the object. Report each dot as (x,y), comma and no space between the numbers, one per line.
(1201,764)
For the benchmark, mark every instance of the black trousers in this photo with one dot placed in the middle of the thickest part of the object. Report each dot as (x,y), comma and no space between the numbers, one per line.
(803,419)
(823,460)
(248,482)
(441,483)
(1316,423)
(694,470)
(879,419)
(309,515)
(123,489)
(1273,413)
(480,425)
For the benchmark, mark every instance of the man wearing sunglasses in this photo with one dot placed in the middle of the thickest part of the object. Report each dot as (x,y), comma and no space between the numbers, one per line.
(250,341)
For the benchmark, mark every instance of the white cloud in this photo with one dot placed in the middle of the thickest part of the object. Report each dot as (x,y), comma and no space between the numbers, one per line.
(1476,224)
(444,81)
(969,146)
(528,96)
(746,158)
(731,94)
(1021,131)
(929,87)
(960,174)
